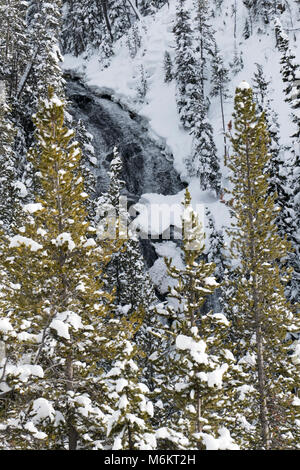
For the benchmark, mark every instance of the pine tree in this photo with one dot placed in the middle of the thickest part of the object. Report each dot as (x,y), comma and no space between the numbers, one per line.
(43,69)
(290,72)
(216,247)
(83,26)
(203,161)
(129,425)
(168,66)
(8,189)
(237,63)
(264,9)
(197,361)
(246,32)
(126,269)
(88,164)
(13,43)
(220,80)
(105,51)
(120,17)
(142,86)
(54,314)
(260,313)
(204,35)
(186,68)
(278,167)
(133,40)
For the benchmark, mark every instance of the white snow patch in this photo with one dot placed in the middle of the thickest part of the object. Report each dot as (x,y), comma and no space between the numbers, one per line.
(19,240)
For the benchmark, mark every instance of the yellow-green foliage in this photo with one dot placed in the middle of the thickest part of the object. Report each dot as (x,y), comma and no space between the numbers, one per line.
(52,296)
(260,314)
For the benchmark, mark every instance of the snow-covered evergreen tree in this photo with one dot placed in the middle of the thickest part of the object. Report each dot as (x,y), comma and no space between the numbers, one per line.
(204,37)
(186,70)
(43,68)
(290,73)
(197,362)
(279,167)
(261,315)
(53,305)
(220,80)
(203,161)
(13,43)
(168,67)
(83,26)
(129,425)
(8,189)
(121,17)
(126,270)
(88,164)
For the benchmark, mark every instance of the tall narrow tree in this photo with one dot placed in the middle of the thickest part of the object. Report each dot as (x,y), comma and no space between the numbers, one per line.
(261,314)
(54,313)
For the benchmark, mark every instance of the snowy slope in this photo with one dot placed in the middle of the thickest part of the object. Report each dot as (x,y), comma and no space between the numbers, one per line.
(122,77)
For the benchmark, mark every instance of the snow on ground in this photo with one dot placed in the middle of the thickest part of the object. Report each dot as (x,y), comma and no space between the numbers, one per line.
(122,77)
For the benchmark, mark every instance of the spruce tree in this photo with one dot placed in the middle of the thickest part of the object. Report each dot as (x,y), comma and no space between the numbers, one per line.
(126,271)
(13,43)
(197,361)
(260,313)
(203,161)
(290,72)
(43,68)
(186,70)
(278,167)
(220,80)
(53,304)
(8,189)
(205,37)
(83,26)
(129,425)
(88,165)
(168,67)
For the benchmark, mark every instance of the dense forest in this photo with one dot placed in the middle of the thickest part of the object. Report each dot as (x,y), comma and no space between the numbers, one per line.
(149,225)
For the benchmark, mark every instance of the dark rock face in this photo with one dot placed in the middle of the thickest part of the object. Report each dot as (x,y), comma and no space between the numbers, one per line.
(146,168)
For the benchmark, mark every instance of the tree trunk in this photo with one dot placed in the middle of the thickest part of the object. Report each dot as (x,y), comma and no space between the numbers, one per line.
(263,415)
(106,17)
(264,420)
(72,433)
(224,131)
